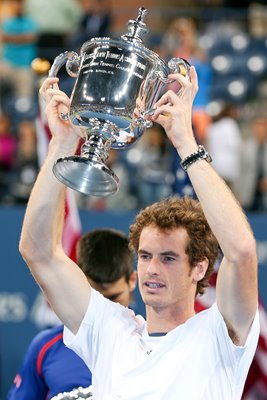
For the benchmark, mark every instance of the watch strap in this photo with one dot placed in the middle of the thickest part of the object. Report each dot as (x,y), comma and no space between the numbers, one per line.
(200,154)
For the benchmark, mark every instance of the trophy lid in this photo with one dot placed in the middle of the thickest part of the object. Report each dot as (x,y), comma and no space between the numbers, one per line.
(137,28)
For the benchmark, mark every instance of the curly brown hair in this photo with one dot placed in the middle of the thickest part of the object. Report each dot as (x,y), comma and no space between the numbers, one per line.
(172,213)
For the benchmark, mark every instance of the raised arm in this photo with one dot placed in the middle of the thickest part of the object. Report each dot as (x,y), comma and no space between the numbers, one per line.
(237,289)
(63,283)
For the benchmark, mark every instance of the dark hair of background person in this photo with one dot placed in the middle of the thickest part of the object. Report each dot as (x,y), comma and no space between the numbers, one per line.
(104,255)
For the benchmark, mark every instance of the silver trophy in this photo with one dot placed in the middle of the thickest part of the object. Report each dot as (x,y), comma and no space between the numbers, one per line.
(118,82)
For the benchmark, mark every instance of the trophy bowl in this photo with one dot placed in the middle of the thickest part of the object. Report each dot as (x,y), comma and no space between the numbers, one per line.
(117,84)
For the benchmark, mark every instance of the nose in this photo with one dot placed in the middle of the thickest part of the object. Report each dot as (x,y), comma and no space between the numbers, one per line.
(153,267)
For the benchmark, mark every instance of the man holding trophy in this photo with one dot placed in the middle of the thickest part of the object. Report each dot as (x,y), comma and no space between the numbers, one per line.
(175,353)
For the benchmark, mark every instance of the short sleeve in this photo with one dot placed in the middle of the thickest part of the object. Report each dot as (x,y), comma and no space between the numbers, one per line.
(237,359)
(103,323)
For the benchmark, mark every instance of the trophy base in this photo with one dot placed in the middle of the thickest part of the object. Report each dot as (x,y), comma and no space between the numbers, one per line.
(86,176)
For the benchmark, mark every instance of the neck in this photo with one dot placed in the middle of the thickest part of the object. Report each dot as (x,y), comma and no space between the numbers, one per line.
(164,319)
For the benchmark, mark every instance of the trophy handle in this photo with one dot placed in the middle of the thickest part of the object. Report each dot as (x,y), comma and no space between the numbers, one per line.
(175,65)
(72,61)
(179,65)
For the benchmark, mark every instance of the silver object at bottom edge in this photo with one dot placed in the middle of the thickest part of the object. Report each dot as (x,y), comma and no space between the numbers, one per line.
(75,394)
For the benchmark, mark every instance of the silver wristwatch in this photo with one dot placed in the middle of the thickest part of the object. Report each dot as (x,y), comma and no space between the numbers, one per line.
(200,154)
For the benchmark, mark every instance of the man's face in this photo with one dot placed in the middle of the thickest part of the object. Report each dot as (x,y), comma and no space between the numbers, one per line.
(164,274)
(119,291)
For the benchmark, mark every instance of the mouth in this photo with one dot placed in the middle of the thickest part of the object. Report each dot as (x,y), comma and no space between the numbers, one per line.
(153,285)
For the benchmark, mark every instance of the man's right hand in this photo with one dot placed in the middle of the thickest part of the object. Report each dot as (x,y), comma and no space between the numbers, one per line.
(58,104)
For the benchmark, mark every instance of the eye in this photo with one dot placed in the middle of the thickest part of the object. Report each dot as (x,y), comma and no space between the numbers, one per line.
(143,256)
(114,297)
(168,259)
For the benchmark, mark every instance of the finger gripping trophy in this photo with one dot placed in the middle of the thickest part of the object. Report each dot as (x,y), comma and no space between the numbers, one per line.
(117,83)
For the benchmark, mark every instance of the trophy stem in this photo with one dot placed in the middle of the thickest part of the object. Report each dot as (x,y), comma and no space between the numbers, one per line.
(96,148)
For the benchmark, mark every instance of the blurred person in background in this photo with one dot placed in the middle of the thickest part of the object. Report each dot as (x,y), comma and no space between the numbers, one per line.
(224,142)
(182,40)
(8,144)
(95,21)
(154,175)
(26,165)
(251,184)
(49,367)
(18,35)
(57,21)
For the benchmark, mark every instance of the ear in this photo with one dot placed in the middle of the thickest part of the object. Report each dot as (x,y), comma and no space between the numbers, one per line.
(199,270)
(132,281)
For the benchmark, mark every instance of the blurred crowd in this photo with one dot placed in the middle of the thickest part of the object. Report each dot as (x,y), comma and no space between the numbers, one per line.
(231,123)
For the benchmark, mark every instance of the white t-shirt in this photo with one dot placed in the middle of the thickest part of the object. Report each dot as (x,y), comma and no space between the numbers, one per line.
(195,361)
